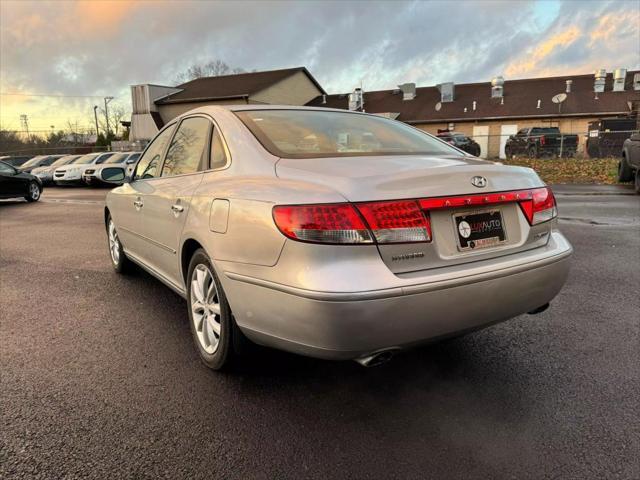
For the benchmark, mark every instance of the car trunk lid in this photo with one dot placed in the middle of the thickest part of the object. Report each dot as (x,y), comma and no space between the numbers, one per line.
(376,178)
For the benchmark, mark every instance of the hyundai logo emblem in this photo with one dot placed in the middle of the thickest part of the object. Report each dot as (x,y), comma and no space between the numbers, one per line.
(479,181)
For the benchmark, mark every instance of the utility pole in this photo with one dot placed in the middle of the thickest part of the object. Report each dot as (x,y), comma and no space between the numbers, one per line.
(24,122)
(106,112)
(95,114)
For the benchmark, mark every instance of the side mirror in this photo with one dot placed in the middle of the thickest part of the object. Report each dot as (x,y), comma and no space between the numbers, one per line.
(113,175)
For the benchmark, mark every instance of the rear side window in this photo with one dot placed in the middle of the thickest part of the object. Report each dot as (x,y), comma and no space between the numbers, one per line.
(188,147)
(218,153)
(148,165)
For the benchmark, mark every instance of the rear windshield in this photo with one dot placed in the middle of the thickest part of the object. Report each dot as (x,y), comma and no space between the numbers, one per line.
(544,131)
(317,134)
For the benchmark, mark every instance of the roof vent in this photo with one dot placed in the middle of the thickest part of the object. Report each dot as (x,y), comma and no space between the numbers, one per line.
(636,81)
(619,76)
(356,100)
(324,99)
(599,77)
(446,92)
(569,83)
(408,91)
(497,87)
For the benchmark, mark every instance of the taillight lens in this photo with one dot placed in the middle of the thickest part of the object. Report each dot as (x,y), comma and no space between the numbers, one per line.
(396,222)
(333,223)
(541,206)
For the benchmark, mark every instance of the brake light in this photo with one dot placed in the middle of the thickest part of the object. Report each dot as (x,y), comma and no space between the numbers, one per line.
(542,140)
(401,221)
(329,223)
(538,205)
(543,206)
(396,222)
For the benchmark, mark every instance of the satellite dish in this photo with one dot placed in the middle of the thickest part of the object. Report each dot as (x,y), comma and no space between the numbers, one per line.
(438,106)
(559,98)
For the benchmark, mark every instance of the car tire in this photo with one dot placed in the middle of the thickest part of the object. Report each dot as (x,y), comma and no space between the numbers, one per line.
(119,260)
(507,152)
(218,340)
(532,152)
(625,174)
(637,181)
(35,190)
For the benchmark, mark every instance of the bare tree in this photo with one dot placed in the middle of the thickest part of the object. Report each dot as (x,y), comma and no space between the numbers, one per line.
(117,113)
(214,68)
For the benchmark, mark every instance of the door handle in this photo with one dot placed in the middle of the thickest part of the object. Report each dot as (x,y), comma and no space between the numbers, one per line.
(177,208)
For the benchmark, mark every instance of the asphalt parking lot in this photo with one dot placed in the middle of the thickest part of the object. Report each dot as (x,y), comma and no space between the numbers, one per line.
(100,380)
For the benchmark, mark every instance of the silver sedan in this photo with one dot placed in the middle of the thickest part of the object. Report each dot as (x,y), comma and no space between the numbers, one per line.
(334,234)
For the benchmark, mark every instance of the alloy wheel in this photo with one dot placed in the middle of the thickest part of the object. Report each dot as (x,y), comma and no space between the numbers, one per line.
(34,191)
(205,308)
(114,243)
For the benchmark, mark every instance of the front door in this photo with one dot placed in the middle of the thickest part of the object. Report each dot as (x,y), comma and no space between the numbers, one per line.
(481,136)
(167,203)
(10,183)
(505,132)
(129,199)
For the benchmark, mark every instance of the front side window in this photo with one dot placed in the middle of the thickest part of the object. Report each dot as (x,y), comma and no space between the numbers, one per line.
(148,165)
(317,134)
(188,147)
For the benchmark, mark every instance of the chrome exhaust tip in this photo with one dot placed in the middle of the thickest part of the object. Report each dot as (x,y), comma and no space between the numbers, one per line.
(377,358)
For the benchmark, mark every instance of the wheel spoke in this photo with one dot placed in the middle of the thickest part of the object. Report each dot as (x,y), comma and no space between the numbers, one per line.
(215,308)
(215,326)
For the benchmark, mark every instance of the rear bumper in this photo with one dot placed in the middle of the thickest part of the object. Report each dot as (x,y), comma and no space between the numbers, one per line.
(349,325)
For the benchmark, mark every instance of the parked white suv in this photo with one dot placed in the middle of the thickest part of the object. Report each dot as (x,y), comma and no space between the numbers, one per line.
(91,175)
(72,173)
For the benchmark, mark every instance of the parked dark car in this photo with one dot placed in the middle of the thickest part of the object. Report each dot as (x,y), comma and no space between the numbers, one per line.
(541,141)
(607,135)
(629,166)
(15,184)
(460,141)
(38,161)
(16,161)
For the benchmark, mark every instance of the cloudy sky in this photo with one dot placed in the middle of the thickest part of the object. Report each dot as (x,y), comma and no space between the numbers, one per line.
(98,48)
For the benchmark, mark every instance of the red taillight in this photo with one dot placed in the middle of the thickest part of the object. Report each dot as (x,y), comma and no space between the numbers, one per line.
(333,223)
(542,140)
(538,205)
(396,222)
(541,207)
(401,221)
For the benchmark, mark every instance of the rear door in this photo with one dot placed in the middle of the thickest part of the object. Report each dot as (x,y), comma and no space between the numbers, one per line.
(166,204)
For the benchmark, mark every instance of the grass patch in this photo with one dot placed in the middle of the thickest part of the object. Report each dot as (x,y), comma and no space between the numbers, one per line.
(571,170)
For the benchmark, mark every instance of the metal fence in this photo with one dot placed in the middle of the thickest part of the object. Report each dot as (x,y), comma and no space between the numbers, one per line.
(591,144)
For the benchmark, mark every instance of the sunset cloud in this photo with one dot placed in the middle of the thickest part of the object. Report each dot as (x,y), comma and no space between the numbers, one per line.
(100,48)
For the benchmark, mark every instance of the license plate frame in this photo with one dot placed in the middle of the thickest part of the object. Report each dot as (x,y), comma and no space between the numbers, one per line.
(491,238)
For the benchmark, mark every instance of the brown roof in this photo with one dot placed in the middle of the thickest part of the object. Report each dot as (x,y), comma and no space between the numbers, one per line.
(520,100)
(232,86)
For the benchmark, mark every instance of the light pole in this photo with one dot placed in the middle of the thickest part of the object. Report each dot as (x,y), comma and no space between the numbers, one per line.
(106,112)
(95,115)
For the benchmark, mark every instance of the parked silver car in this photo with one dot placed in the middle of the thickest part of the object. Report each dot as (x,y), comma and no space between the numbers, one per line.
(46,173)
(334,234)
